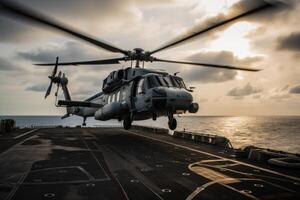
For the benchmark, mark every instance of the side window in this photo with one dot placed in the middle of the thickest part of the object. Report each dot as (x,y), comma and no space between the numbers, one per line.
(151,82)
(108,99)
(168,80)
(140,86)
(124,95)
(118,96)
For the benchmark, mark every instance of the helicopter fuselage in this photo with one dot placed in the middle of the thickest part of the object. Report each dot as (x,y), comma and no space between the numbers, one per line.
(144,97)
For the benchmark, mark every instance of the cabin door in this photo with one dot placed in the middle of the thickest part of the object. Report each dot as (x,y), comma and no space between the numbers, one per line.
(139,99)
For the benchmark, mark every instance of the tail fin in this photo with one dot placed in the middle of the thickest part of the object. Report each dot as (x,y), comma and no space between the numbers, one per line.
(64,83)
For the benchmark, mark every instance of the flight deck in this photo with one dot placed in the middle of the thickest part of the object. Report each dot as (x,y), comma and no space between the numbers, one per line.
(112,163)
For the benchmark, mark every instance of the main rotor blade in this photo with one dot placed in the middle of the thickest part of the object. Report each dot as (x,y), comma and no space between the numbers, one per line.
(92,62)
(208,65)
(34,16)
(259,6)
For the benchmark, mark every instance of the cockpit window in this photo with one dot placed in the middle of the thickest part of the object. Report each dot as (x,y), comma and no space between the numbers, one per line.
(161,81)
(158,80)
(169,81)
(140,86)
(179,82)
(165,81)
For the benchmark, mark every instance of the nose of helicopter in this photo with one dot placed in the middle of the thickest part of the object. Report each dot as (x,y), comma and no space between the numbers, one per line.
(172,98)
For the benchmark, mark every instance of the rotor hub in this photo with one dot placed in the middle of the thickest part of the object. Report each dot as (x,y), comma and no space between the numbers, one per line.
(140,54)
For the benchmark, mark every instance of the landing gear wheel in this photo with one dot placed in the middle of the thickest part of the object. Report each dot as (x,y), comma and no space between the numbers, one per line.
(127,123)
(154,116)
(172,124)
(83,123)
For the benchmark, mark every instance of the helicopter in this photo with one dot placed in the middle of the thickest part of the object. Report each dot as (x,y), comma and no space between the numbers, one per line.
(133,93)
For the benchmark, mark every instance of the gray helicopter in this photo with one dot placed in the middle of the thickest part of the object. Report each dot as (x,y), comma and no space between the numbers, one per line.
(130,94)
(134,93)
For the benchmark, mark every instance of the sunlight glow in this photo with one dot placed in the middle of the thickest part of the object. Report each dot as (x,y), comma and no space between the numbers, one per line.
(239,76)
(235,39)
(214,6)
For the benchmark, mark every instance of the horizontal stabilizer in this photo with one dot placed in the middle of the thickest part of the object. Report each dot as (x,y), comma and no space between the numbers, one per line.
(78,103)
(65,116)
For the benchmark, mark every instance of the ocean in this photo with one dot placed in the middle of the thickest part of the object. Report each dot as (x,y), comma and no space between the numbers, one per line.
(274,132)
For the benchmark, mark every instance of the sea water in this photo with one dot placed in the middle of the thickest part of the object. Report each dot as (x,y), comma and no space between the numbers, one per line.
(275,132)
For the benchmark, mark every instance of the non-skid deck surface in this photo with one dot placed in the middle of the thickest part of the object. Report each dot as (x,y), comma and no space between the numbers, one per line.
(110,163)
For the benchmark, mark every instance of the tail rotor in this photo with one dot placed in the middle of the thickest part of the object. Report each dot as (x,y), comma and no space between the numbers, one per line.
(58,83)
(52,78)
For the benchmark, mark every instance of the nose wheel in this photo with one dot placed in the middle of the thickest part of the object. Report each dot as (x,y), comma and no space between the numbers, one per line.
(172,123)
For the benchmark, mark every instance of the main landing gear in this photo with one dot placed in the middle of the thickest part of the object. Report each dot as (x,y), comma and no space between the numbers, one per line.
(172,122)
(84,123)
(127,121)
(154,116)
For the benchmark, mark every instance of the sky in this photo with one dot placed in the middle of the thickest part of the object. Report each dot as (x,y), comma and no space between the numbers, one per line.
(268,41)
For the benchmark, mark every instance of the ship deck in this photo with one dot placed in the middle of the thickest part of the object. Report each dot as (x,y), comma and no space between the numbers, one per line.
(111,163)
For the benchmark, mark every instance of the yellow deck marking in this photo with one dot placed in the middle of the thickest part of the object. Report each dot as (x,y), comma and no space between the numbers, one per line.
(216,156)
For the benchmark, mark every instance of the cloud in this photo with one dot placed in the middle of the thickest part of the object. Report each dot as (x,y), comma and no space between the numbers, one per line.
(82,96)
(247,90)
(280,96)
(7,66)
(13,31)
(295,90)
(238,8)
(284,22)
(209,75)
(279,9)
(38,88)
(76,92)
(285,87)
(95,15)
(202,100)
(67,51)
(256,96)
(290,42)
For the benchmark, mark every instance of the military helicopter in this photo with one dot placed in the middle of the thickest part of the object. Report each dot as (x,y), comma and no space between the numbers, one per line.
(134,93)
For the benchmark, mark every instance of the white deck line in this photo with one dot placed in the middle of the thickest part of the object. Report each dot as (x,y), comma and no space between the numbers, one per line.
(95,157)
(26,133)
(216,156)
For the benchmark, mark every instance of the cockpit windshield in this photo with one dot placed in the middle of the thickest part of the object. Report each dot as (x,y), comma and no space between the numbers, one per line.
(179,82)
(169,81)
(165,81)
